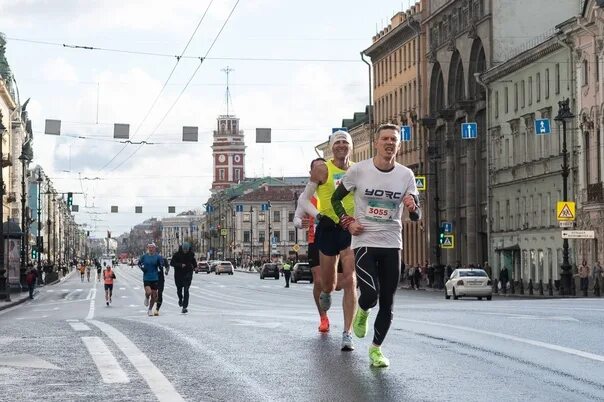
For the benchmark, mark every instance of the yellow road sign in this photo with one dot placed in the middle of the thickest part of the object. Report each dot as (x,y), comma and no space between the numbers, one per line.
(448,241)
(420,183)
(565,211)
(223,232)
(296,248)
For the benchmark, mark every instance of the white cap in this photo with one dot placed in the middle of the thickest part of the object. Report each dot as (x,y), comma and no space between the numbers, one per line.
(340,135)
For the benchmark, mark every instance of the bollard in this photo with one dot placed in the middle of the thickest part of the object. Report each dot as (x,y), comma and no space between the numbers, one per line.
(495,286)
(597,288)
(521,284)
(540,287)
(550,285)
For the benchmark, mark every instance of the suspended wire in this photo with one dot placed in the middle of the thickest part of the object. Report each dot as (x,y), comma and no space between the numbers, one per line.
(184,89)
(178,58)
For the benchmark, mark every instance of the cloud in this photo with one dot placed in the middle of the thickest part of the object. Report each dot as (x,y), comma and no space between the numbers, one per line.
(58,69)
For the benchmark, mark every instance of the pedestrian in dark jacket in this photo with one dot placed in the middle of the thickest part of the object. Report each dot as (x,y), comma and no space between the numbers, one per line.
(183,262)
(30,279)
(504,278)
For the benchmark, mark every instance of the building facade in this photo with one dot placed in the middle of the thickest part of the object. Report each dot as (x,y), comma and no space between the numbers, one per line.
(465,38)
(177,229)
(525,180)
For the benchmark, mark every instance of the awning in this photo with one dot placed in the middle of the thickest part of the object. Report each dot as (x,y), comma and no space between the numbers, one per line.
(11,230)
(515,247)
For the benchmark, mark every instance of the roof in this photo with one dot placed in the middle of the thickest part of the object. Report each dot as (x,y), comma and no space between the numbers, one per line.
(273,194)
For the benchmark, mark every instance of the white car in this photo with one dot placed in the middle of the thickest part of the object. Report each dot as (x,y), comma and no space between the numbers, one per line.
(224,267)
(469,282)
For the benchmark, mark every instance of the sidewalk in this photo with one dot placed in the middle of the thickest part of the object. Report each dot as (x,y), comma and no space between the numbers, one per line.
(16,299)
(516,295)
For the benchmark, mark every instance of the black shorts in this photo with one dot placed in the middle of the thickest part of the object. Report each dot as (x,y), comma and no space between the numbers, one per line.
(331,238)
(109,287)
(152,285)
(313,255)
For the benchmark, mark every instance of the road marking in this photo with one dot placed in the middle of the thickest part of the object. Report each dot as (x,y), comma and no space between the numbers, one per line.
(49,291)
(71,320)
(79,326)
(122,288)
(108,366)
(532,317)
(159,384)
(124,297)
(90,292)
(248,323)
(545,345)
(90,315)
(28,361)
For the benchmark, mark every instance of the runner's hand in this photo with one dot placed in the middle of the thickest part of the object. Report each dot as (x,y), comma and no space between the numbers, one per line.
(409,202)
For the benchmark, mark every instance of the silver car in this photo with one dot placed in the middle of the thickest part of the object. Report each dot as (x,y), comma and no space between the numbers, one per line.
(469,282)
(224,267)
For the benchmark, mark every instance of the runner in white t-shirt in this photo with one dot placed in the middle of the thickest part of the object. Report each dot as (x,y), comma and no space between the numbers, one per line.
(381,188)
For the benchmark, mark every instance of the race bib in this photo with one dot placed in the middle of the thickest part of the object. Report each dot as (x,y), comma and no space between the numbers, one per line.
(337,179)
(379,210)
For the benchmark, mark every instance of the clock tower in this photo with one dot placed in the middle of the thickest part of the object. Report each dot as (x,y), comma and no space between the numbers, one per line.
(228,152)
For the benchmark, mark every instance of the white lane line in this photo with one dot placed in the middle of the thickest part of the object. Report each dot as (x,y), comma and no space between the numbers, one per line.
(105,361)
(90,315)
(122,288)
(550,346)
(89,294)
(71,320)
(158,383)
(79,326)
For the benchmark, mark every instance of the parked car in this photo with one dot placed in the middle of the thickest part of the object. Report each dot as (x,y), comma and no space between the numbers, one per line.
(224,267)
(212,264)
(469,282)
(301,272)
(269,269)
(202,266)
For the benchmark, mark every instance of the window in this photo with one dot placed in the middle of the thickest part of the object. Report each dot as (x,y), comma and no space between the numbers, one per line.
(237,175)
(515,96)
(496,103)
(246,217)
(530,91)
(522,94)
(261,217)
(276,216)
(547,83)
(584,72)
(597,66)
(395,69)
(277,236)
(506,100)
(538,82)
(261,236)
(221,174)
(246,236)
(557,82)
(291,236)
(400,57)
(290,217)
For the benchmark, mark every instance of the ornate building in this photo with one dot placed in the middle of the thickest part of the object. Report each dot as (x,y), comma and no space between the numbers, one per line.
(228,153)
(465,37)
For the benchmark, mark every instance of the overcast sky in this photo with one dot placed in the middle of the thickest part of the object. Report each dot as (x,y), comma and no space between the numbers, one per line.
(89,91)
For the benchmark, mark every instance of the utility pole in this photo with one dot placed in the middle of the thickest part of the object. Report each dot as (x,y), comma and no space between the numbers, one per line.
(251,233)
(39,242)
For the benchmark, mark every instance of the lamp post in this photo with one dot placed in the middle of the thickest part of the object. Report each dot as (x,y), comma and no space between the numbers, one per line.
(25,159)
(564,115)
(3,278)
(39,243)
(251,234)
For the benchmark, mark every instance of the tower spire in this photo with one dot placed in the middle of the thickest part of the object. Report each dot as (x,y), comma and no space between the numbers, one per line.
(227,70)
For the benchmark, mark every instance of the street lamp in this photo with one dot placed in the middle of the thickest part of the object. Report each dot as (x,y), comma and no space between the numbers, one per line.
(25,158)
(564,116)
(39,243)
(3,278)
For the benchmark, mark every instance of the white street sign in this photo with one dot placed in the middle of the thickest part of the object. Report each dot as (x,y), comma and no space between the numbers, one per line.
(566,224)
(578,234)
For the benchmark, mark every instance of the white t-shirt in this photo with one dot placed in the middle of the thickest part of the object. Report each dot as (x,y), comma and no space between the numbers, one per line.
(378,201)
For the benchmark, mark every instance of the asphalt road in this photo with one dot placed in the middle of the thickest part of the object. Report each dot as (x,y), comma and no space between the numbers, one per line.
(251,339)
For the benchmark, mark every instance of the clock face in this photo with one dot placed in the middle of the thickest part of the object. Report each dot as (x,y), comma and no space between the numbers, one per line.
(221,158)
(237,158)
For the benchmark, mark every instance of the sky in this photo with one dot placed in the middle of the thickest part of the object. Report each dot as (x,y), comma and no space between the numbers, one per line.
(296,69)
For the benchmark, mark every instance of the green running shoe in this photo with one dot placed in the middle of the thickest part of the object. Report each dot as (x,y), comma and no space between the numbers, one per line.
(377,358)
(359,324)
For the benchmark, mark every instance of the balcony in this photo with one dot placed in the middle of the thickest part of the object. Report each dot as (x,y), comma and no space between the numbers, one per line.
(595,193)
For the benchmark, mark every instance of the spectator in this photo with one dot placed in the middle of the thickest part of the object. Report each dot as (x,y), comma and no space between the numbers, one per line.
(584,276)
(449,272)
(431,276)
(487,269)
(504,278)
(30,280)
(417,276)
(411,276)
(598,272)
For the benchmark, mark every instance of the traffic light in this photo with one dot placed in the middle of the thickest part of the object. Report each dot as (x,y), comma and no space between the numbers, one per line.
(441,237)
(69,199)
(34,254)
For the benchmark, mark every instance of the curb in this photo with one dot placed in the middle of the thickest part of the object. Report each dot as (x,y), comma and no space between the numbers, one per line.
(247,272)
(15,302)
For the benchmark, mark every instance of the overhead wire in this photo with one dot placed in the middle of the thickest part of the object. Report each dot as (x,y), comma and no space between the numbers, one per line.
(185,87)
(178,58)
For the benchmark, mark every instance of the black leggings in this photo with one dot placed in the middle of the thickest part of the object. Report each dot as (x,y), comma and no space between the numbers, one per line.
(160,294)
(378,272)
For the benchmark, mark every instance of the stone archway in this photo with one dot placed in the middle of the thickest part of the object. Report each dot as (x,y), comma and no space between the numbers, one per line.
(455,87)
(437,89)
(478,64)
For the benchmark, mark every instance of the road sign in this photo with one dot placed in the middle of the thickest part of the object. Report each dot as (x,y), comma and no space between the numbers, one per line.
(447,227)
(542,127)
(566,224)
(223,232)
(296,248)
(405,133)
(449,241)
(578,234)
(565,211)
(333,130)
(420,183)
(469,131)
(274,240)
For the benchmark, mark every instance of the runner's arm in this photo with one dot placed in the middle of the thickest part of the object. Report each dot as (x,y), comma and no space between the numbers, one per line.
(304,204)
(336,200)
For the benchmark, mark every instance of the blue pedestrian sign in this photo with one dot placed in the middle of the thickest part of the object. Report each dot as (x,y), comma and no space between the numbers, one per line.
(274,240)
(209,208)
(405,133)
(542,127)
(238,208)
(469,131)
(264,207)
(447,227)
(333,130)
